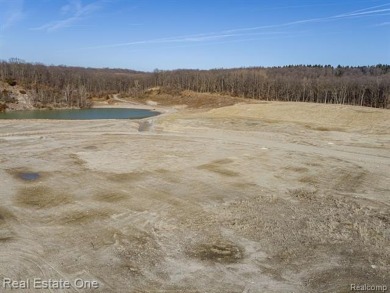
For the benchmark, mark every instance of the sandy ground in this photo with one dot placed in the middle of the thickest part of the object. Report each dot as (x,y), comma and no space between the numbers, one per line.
(270,197)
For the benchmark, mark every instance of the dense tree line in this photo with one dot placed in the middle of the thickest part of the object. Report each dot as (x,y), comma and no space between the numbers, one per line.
(73,86)
(366,86)
(62,85)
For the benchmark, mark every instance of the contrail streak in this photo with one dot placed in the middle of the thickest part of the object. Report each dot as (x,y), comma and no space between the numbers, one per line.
(240,32)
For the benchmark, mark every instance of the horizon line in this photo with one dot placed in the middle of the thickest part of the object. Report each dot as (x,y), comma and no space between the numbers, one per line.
(22,61)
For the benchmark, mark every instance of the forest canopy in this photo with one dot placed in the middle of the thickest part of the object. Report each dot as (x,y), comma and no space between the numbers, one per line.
(74,86)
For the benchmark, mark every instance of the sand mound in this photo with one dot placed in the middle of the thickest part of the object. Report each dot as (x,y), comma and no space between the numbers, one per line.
(320,116)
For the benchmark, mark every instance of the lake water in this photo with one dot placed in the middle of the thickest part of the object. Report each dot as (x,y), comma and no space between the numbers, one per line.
(81,114)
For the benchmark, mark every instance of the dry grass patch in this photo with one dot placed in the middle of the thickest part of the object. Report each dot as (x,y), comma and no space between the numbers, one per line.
(84,216)
(41,197)
(221,252)
(6,232)
(350,180)
(297,169)
(111,196)
(218,167)
(138,253)
(5,215)
(302,194)
(318,233)
(323,128)
(77,160)
(126,177)
(339,280)
(311,180)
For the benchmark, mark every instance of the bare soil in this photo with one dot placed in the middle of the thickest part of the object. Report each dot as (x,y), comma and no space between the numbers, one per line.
(264,197)
(188,99)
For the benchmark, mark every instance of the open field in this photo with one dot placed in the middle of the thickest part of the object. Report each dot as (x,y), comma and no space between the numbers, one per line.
(265,197)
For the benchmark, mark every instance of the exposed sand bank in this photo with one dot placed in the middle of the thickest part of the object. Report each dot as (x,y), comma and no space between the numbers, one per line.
(269,197)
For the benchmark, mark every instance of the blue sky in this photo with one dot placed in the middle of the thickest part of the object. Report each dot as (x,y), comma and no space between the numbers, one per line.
(170,34)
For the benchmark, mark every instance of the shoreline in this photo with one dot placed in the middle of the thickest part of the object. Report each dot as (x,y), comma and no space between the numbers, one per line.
(134,105)
(161,110)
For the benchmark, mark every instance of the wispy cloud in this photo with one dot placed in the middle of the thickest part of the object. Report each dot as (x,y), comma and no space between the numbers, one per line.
(214,42)
(73,12)
(370,11)
(383,23)
(187,39)
(237,33)
(12,13)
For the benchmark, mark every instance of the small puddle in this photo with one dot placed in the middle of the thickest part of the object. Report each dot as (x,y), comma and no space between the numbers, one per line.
(29,176)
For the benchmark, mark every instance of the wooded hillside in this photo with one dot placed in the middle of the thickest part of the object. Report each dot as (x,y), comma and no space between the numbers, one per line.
(74,86)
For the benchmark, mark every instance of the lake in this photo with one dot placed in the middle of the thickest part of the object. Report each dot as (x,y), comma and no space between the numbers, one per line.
(81,114)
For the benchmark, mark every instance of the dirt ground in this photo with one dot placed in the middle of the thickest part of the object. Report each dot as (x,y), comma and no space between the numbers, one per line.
(265,197)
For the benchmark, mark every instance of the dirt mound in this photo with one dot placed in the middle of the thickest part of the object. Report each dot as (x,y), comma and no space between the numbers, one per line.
(313,116)
(192,100)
